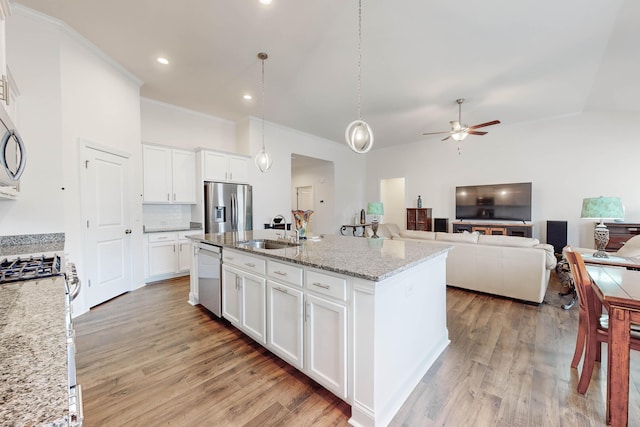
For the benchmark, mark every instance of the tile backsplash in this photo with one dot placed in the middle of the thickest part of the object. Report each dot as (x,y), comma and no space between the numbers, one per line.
(166,216)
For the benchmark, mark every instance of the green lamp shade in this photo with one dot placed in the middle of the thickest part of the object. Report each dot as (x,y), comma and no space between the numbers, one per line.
(375,208)
(602,208)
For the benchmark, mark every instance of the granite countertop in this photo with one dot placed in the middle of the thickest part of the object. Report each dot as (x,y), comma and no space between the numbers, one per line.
(34,386)
(31,244)
(370,259)
(168,229)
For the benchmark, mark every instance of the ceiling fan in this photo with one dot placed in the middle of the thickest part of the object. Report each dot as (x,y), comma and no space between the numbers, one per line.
(459,131)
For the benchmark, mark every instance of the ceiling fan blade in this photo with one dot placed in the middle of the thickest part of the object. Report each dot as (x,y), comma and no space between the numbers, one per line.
(435,133)
(447,138)
(475,132)
(495,122)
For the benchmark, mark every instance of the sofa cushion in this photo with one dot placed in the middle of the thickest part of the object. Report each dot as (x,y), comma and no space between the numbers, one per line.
(457,237)
(416,234)
(512,241)
(631,248)
(549,255)
(394,230)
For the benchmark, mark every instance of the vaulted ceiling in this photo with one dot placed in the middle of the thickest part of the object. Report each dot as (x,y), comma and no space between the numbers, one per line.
(515,61)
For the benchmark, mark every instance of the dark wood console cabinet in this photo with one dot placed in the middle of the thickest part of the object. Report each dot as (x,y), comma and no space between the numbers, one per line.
(419,219)
(619,233)
(504,229)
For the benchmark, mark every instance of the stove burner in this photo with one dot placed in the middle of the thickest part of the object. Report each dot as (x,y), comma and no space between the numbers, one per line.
(20,269)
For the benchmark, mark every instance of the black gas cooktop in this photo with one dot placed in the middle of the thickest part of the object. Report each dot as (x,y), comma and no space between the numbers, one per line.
(29,268)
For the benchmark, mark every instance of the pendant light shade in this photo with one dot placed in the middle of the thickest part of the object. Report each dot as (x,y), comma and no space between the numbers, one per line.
(358,134)
(263,159)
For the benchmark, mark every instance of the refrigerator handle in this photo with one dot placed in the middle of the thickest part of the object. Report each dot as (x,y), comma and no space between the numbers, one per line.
(234,213)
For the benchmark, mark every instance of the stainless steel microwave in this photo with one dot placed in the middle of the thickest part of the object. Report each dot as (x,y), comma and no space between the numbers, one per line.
(13,156)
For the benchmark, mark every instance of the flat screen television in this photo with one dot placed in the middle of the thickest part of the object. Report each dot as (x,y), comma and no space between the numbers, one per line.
(507,202)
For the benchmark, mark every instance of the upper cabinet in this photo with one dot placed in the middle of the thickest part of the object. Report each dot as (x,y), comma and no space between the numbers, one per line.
(225,167)
(8,90)
(169,175)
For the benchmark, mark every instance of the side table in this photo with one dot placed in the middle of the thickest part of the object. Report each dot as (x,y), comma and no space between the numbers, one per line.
(354,228)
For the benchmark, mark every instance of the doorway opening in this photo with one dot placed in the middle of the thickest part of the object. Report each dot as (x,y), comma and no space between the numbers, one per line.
(392,196)
(312,188)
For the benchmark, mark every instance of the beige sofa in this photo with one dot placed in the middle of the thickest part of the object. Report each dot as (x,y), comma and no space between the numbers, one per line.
(514,267)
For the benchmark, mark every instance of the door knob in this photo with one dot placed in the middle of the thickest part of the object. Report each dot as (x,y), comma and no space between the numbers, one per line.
(127,231)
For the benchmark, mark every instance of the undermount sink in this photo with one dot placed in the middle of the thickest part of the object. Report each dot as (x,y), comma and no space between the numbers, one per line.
(267,244)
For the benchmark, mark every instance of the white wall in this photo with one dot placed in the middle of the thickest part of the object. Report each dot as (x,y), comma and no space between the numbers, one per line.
(33,52)
(566,159)
(271,190)
(178,127)
(69,91)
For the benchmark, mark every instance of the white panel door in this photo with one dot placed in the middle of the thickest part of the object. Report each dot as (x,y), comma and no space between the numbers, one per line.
(106,212)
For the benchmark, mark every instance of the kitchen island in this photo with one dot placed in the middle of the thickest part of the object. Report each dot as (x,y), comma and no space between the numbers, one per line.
(372,317)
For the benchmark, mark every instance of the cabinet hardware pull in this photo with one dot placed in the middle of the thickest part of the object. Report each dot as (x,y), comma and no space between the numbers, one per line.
(174,197)
(281,273)
(282,290)
(249,264)
(168,197)
(320,285)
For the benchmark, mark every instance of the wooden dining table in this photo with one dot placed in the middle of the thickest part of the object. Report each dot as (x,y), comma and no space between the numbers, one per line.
(619,290)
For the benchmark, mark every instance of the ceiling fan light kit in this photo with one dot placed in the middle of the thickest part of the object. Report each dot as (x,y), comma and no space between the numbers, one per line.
(460,131)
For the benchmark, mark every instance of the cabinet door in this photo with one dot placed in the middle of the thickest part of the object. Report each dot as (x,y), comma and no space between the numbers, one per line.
(238,169)
(156,165)
(285,322)
(162,258)
(183,171)
(253,305)
(326,343)
(184,255)
(215,166)
(231,295)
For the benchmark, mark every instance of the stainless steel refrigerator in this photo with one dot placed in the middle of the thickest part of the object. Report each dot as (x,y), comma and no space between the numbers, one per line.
(227,207)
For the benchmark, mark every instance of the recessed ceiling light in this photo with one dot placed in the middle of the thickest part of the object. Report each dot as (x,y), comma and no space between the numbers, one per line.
(248,97)
(265,1)
(163,61)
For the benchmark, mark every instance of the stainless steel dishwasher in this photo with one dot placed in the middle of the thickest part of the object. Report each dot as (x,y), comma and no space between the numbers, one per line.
(209,278)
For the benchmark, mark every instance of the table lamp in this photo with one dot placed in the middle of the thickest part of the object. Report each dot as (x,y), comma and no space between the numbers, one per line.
(602,208)
(375,208)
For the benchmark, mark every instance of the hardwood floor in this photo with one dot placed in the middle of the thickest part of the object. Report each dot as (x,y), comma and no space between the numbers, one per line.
(149,358)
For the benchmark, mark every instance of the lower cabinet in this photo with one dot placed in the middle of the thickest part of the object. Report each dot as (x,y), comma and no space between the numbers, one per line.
(167,254)
(298,313)
(244,302)
(285,322)
(326,343)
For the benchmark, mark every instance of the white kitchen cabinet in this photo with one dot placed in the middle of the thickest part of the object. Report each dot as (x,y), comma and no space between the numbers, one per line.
(285,305)
(162,257)
(326,331)
(168,254)
(169,175)
(244,293)
(224,167)
(184,254)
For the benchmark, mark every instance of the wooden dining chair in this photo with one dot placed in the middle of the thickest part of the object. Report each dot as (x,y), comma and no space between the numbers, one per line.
(592,323)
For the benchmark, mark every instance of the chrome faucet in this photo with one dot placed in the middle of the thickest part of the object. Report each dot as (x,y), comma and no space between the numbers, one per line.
(284,220)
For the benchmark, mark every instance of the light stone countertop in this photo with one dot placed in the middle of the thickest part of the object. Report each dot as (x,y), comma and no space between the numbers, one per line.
(370,259)
(34,387)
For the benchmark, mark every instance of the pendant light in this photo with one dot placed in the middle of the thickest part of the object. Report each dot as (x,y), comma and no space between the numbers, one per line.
(358,134)
(263,159)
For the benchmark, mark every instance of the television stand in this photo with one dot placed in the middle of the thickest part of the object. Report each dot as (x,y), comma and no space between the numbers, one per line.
(494,228)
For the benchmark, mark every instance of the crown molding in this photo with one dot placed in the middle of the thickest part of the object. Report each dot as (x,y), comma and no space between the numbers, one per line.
(74,35)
